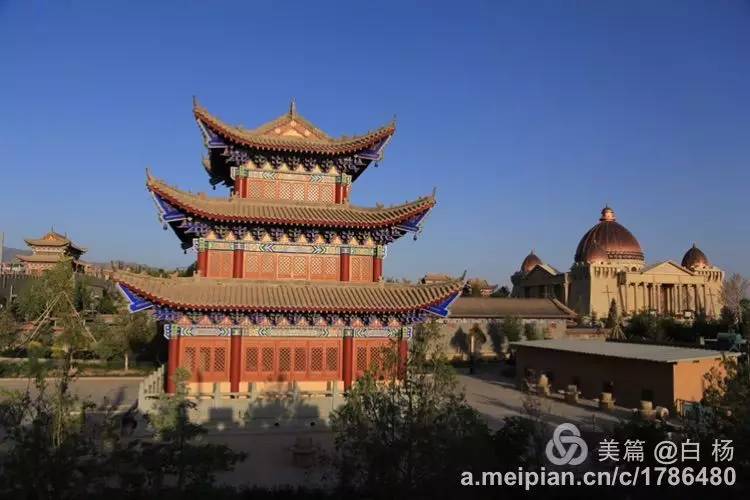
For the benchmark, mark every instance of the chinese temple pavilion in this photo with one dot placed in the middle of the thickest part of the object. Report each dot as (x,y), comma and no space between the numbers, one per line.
(50,249)
(289,281)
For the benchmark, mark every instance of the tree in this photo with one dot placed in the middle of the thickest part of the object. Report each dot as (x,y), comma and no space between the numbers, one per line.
(495,333)
(106,304)
(613,316)
(733,291)
(125,337)
(410,437)
(511,328)
(176,452)
(8,329)
(53,450)
(725,410)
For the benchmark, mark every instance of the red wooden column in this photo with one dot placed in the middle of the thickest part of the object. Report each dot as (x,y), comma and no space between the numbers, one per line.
(377,263)
(403,352)
(341,192)
(235,360)
(337,192)
(202,258)
(348,353)
(173,359)
(238,261)
(345,264)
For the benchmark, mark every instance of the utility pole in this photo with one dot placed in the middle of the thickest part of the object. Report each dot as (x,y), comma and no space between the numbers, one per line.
(2,246)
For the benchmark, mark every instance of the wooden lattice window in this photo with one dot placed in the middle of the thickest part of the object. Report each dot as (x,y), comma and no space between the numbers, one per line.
(189,359)
(251,359)
(299,267)
(220,264)
(361,362)
(313,192)
(285,191)
(298,191)
(267,359)
(285,360)
(326,192)
(269,190)
(252,265)
(332,359)
(285,266)
(360,268)
(254,190)
(300,359)
(268,266)
(316,359)
(205,359)
(220,359)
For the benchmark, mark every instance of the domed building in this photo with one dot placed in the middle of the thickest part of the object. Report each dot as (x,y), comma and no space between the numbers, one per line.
(609,264)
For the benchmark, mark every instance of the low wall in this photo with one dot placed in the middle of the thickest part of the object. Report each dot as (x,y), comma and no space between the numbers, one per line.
(262,406)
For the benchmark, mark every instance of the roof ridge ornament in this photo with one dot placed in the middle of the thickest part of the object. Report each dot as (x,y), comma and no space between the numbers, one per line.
(293,107)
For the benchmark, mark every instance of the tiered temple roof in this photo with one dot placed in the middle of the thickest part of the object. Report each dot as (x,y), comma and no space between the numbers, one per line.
(53,239)
(291,139)
(247,211)
(206,294)
(282,134)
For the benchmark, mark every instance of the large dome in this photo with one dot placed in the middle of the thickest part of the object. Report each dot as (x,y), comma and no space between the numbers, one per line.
(530,262)
(608,237)
(695,258)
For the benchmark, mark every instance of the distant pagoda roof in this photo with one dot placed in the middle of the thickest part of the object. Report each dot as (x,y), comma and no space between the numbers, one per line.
(291,133)
(207,294)
(243,210)
(53,239)
(43,258)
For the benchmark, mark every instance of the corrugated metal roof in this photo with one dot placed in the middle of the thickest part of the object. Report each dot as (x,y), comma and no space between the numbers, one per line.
(648,352)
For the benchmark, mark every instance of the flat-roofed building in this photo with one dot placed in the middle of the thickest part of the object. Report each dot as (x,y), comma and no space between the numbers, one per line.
(665,375)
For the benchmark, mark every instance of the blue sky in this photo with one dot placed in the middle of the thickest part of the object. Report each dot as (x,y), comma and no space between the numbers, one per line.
(528,116)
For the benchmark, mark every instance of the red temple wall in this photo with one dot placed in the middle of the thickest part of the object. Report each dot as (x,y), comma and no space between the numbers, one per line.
(289,266)
(279,359)
(270,266)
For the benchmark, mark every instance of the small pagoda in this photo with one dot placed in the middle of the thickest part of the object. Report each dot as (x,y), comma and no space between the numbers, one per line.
(289,275)
(50,249)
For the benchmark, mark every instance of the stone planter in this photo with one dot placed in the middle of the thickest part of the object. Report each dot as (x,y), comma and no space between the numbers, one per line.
(606,401)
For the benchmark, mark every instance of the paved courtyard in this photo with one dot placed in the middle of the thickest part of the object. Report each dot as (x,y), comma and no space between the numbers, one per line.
(270,456)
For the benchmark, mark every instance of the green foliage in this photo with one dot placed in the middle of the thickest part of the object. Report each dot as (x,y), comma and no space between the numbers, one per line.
(727,399)
(106,304)
(128,335)
(412,437)
(176,452)
(520,442)
(512,327)
(82,295)
(8,329)
(532,332)
(495,333)
(53,449)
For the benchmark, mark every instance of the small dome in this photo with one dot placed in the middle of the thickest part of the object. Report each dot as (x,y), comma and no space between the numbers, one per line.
(530,262)
(610,237)
(695,258)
